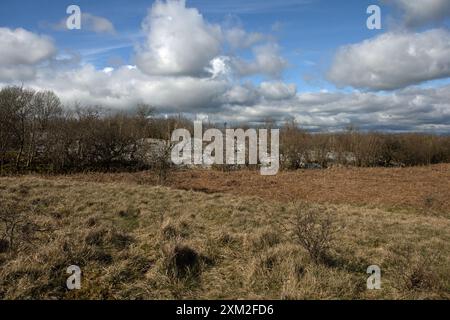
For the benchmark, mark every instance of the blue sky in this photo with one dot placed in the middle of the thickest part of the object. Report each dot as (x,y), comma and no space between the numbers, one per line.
(314,61)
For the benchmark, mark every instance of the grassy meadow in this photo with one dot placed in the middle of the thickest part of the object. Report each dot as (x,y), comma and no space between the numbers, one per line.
(142,241)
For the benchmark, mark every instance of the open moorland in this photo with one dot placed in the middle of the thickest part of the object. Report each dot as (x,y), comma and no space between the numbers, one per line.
(308,234)
(425,188)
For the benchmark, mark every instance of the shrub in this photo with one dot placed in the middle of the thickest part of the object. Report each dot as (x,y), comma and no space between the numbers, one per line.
(413,271)
(314,231)
(16,226)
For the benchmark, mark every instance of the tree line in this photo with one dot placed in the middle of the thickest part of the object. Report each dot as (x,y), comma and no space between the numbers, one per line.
(362,149)
(38,134)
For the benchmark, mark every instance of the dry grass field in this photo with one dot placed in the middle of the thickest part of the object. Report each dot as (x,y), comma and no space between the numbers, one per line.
(423,189)
(234,235)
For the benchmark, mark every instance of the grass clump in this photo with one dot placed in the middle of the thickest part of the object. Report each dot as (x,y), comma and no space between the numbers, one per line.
(181,261)
(416,272)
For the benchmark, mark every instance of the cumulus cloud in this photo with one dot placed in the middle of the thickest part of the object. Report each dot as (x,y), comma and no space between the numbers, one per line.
(96,24)
(23,47)
(393,60)
(219,67)
(241,95)
(238,38)
(414,109)
(21,52)
(419,12)
(180,41)
(127,86)
(248,94)
(89,22)
(267,61)
(181,67)
(278,90)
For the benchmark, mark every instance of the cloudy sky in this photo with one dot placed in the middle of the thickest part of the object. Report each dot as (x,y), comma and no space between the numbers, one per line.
(314,61)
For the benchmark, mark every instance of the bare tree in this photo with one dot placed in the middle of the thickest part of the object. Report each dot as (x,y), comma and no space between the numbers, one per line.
(46,110)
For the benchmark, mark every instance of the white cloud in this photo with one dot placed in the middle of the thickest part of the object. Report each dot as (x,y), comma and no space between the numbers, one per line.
(278,90)
(238,38)
(21,51)
(267,61)
(241,95)
(180,68)
(220,68)
(96,24)
(393,60)
(420,12)
(89,22)
(412,109)
(17,72)
(127,86)
(23,47)
(405,110)
(180,41)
